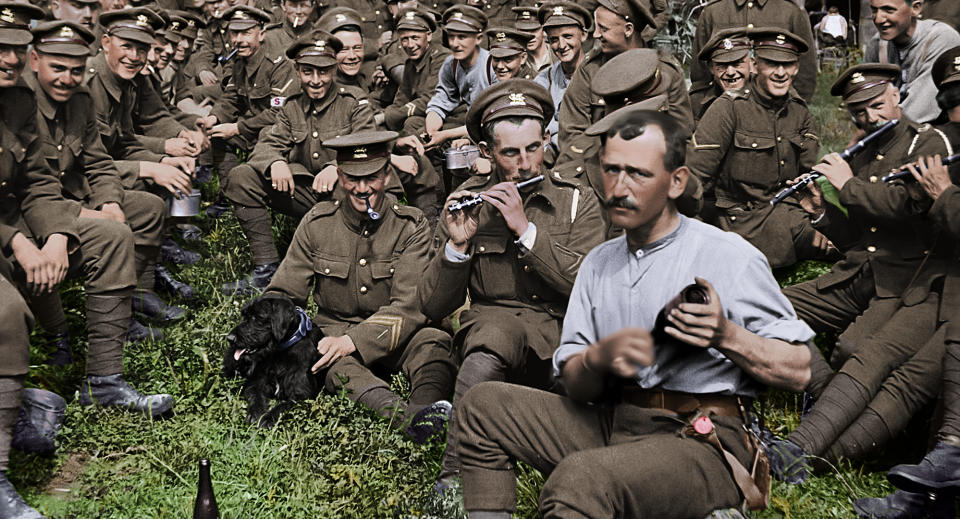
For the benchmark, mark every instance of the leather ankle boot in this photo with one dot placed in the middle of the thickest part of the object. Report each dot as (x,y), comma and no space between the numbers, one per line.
(111,390)
(61,355)
(150,305)
(171,252)
(905,505)
(257,281)
(938,470)
(167,283)
(218,208)
(140,332)
(12,506)
(429,421)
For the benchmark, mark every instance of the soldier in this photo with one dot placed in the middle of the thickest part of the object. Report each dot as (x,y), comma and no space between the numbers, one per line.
(516,255)
(539,57)
(567,26)
(364,273)
(878,295)
(750,142)
(83,12)
(181,78)
(352,68)
(935,478)
(124,102)
(68,130)
(421,72)
(728,55)
(653,420)
(783,14)
(213,45)
(299,17)
(259,84)
(913,44)
(618,26)
(284,169)
(459,74)
(45,237)
(508,57)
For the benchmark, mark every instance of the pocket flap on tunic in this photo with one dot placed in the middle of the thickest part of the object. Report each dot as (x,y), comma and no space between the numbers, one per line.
(752,142)
(330,268)
(381,270)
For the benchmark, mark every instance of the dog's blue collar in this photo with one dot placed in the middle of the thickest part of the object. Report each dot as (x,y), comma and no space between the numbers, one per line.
(302,330)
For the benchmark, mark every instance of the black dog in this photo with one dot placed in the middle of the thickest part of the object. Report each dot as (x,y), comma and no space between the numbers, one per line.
(273,348)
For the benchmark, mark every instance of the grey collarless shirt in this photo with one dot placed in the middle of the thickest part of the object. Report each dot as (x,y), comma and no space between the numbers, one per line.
(617,288)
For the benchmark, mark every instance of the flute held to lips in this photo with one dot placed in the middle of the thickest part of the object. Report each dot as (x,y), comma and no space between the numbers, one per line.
(905,173)
(846,155)
(470,202)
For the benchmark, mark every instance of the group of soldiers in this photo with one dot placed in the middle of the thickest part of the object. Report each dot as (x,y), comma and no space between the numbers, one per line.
(343,116)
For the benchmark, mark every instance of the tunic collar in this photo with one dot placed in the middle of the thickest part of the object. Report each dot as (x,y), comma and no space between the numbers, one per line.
(360,222)
(741,2)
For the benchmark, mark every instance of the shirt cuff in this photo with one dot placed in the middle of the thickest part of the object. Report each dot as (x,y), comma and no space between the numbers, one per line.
(453,255)
(528,238)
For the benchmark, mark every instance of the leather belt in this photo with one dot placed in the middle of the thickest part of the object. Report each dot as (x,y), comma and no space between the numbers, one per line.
(682,403)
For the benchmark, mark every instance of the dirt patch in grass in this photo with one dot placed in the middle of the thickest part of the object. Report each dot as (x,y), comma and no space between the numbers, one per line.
(64,482)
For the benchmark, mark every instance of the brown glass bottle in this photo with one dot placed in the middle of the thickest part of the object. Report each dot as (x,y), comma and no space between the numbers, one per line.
(690,294)
(205,507)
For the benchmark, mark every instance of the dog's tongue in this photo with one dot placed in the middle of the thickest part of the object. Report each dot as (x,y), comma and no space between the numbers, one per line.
(237,354)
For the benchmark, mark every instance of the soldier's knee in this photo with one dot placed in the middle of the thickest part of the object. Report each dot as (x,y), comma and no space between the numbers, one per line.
(569,490)
(238,180)
(481,401)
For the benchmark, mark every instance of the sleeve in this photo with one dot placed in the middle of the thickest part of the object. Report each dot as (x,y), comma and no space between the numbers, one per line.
(402,106)
(447,96)
(226,108)
(203,58)
(273,145)
(557,263)
(808,130)
(806,81)
(945,211)
(443,284)
(709,144)
(579,330)
(283,81)
(678,99)
(759,306)
(294,277)
(575,114)
(393,324)
(918,104)
(155,119)
(361,117)
(102,175)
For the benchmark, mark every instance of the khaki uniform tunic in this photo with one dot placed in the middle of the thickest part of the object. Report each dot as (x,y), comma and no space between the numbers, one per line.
(257,89)
(409,109)
(747,145)
(581,107)
(722,14)
(512,291)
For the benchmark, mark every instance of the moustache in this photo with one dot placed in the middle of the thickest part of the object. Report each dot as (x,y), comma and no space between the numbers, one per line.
(620,201)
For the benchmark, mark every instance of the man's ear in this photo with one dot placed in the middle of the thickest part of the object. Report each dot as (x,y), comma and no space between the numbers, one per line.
(34,61)
(678,182)
(485,149)
(104,41)
(916,6)
(628,30)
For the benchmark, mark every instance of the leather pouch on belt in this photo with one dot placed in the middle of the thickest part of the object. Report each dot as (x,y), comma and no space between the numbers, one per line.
(754,485)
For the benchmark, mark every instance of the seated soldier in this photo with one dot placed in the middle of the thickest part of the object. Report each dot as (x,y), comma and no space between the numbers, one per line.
(652,424)
(508,57)
(83,12)
(515,256)
(567,26)
(259,84)
(750,142)
(299,19)
(878,296)
(728,55)
(346,25)
(364,275)
(539,57)
(421,72)
(459,73)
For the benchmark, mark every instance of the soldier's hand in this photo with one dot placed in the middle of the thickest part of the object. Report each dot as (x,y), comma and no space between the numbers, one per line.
(932,175)
(281,178)
(169,177)
(180,147)
(326,180)
(332,349)
(55,249)
(836,170)
(207,78)
(405,163)
(698,324)
(461,225)
(205,124)
(620,353)
(196,139)
(810,197)
(36,265)
(113,211)
(225,130)
(432,125)
(506,198)
(821,242)
(186,164)
(410,144)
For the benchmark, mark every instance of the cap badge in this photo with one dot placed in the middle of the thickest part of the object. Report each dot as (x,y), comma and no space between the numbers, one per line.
(341,18)
(458,15)
(501,36)
(518,99)
(727,44)
(175,25)
(857,78)
(239,15)
(410,15)
(7,16)
(66,32)
(320,44)
(191,23)
(360,153)
(781,39)
(142,20)
(558,10)
(526,14)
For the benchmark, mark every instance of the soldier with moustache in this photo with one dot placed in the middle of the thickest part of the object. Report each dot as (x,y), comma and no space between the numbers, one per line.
(750,142)
(728,55)
(44,238)
(363,272)
(883,296)
(299,18)
(618,28)
(515,255)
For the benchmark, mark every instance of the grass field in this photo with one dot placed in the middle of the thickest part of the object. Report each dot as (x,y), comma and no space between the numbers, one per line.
(328,458)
